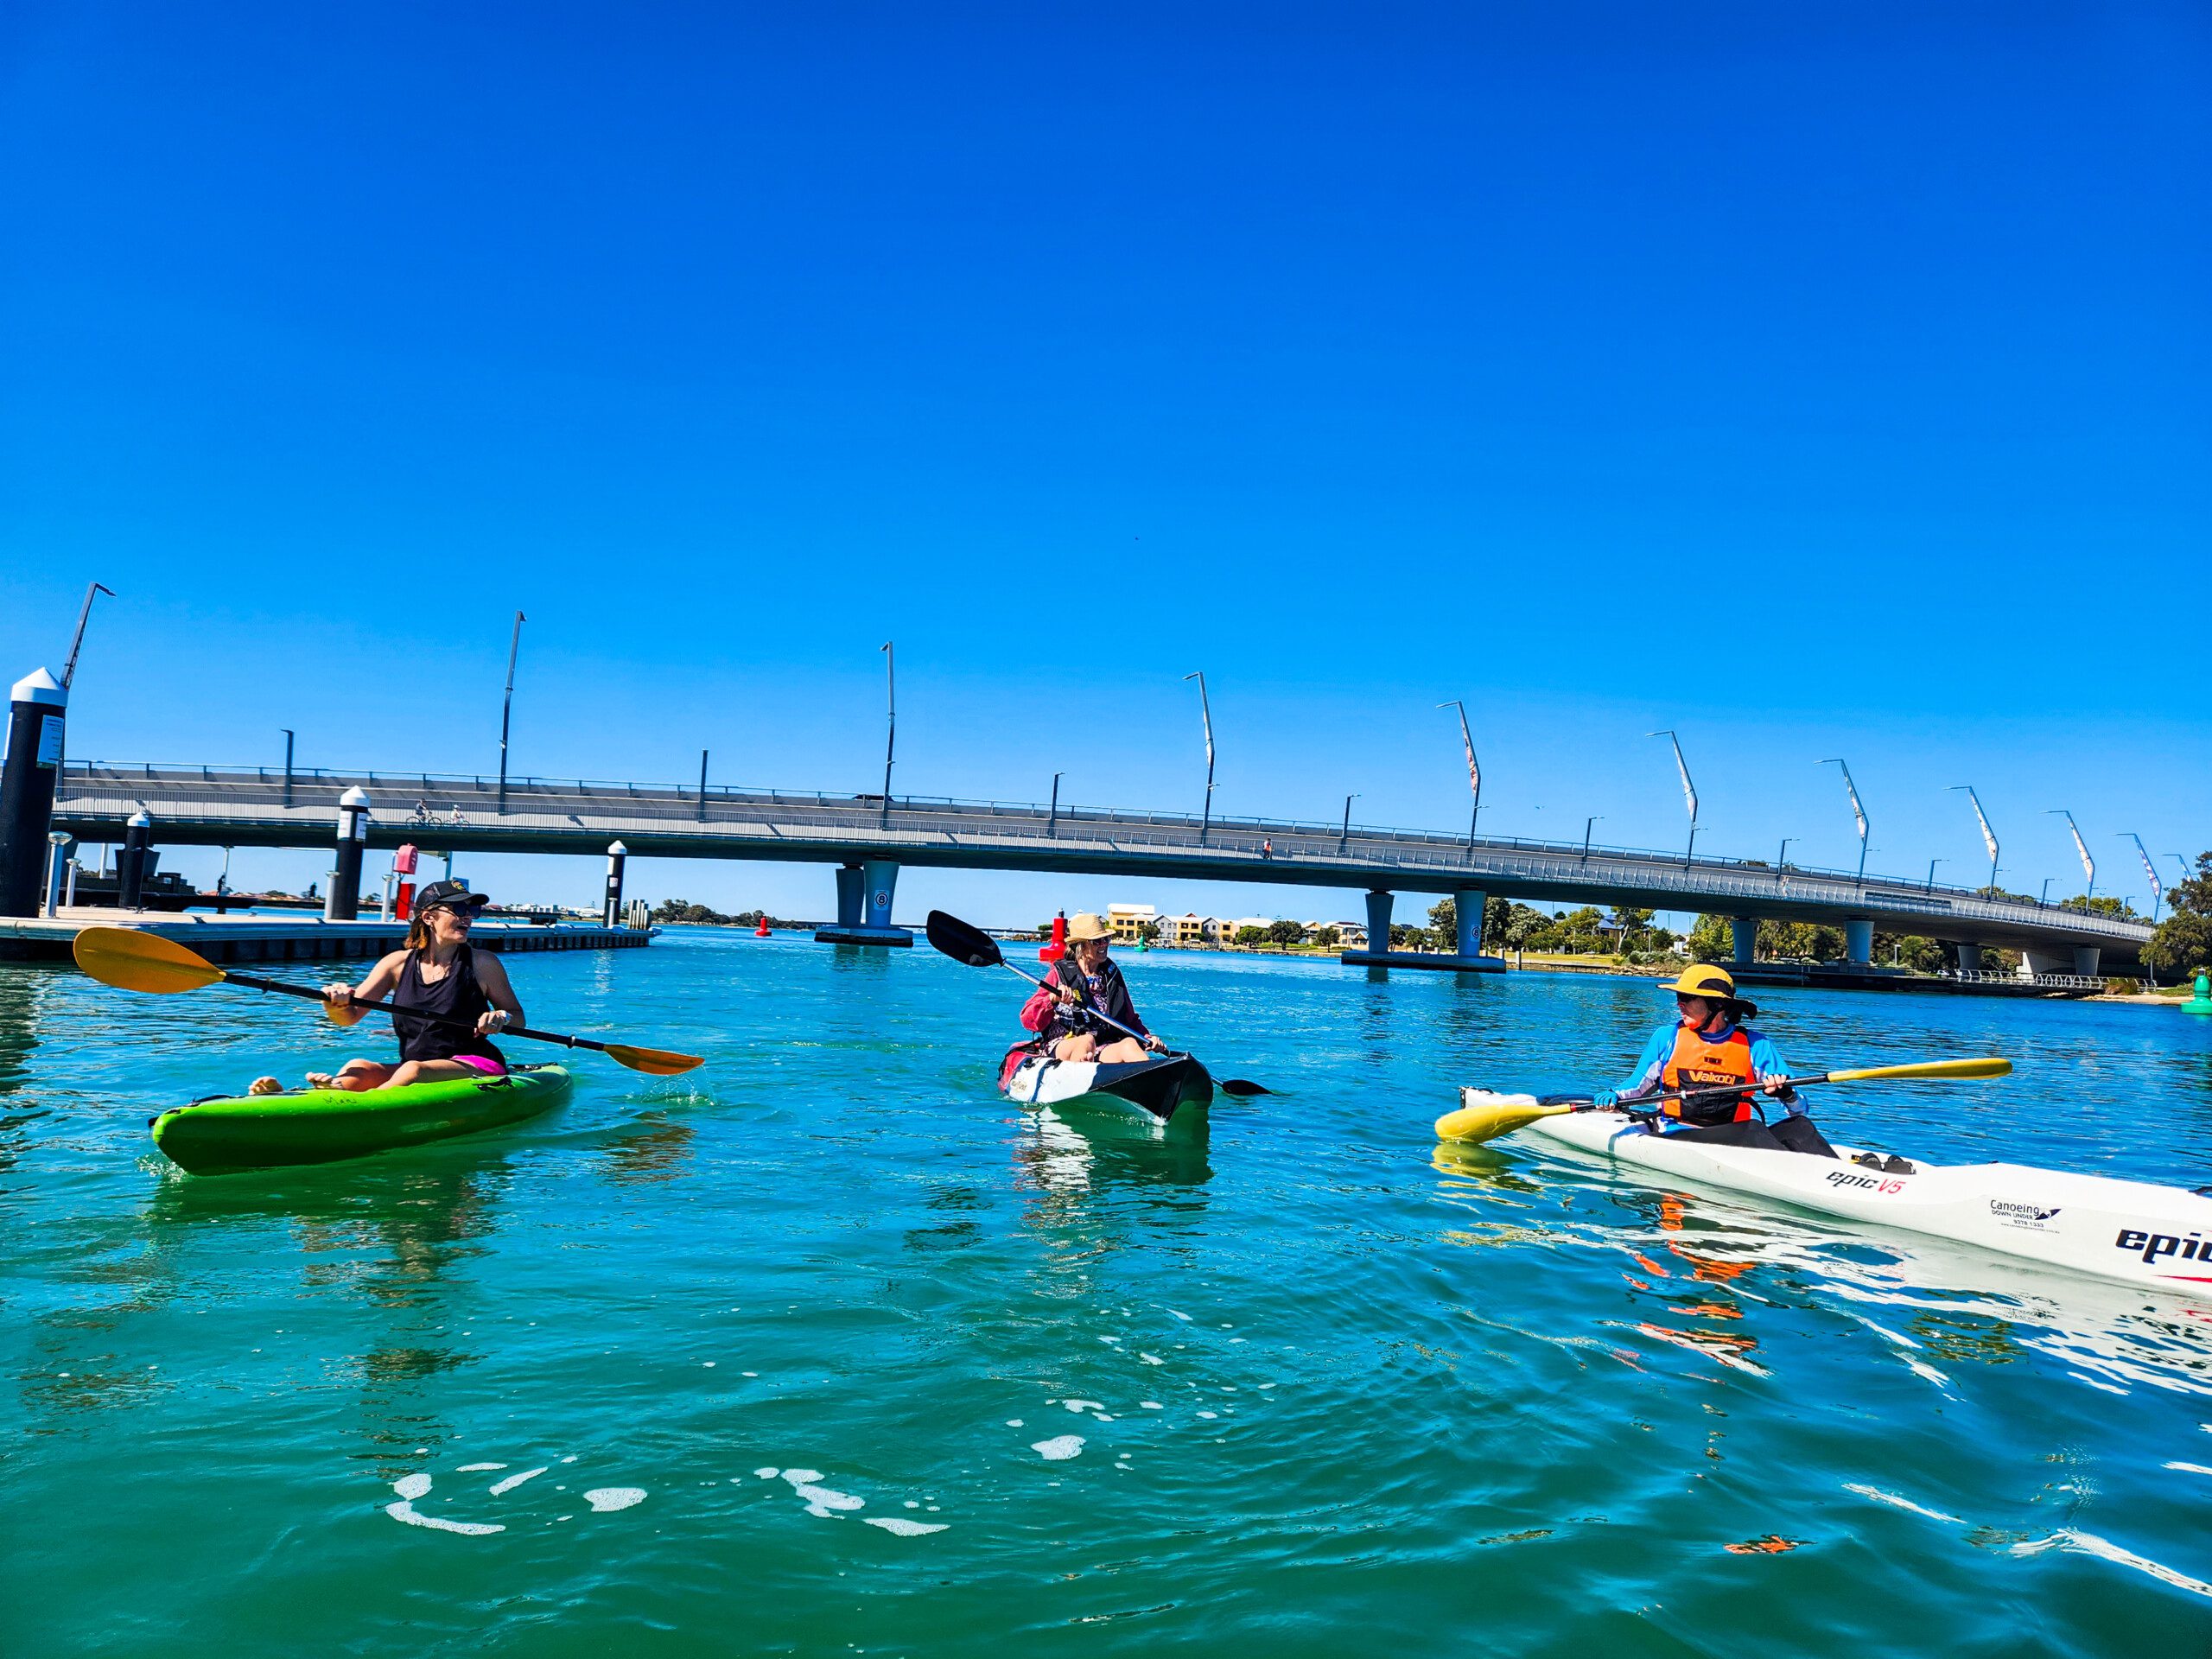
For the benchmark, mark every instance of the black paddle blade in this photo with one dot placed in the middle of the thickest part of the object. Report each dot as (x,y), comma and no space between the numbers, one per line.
(1240,1086)
(962,942)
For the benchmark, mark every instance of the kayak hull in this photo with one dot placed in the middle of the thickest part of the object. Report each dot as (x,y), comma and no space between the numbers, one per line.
(1175,1088)
(2137,1233)
(322,1126)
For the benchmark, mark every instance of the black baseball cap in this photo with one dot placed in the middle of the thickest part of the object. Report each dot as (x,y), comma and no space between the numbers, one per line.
(452,894)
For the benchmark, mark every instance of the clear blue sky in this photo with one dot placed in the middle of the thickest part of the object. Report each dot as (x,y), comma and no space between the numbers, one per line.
(1814,379)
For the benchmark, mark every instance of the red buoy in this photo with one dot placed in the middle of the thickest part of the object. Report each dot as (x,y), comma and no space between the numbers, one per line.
(762,931)
(1059,947)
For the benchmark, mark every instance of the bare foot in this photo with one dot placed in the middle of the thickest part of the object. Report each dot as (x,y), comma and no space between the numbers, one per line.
(264,1086)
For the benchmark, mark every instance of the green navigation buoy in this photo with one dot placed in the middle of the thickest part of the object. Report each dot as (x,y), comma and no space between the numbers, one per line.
(2201,1001)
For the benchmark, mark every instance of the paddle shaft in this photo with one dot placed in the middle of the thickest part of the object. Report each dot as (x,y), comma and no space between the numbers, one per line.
(254,981)
(1706,1093)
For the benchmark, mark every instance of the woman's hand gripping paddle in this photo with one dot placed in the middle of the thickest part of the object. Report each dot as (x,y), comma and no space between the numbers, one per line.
(1495,1115)
(132,960)
(965,942)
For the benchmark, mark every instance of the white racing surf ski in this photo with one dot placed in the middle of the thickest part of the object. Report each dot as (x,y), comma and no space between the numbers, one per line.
(2134,1232)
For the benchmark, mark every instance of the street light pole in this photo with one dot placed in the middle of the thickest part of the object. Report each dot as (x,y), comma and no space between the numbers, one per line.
(1988,836)
(77,640)
(1593,818)
(1474,773)
(1052,820)
(1782,858)
(1858,813)
(1932,863)
(1205,714)
(1689,791)
(2044,897)
(507,708)
(1344,836)
(288,763)
(890,730)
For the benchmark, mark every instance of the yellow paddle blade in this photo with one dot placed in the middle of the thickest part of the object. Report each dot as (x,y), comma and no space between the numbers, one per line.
(1484,1116)
(142,961)
(657,1062)
(1987,1066)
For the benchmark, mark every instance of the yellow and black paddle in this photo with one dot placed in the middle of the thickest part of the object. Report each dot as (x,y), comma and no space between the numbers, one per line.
(132,960)
(1502,1117)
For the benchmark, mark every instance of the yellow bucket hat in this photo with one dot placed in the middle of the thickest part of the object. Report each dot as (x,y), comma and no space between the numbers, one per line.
(1084,924)
(1699,979)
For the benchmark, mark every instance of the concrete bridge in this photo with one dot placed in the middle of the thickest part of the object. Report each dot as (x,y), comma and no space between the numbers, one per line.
(867,838)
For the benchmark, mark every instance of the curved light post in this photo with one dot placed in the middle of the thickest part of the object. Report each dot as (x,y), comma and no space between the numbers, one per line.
(1344,836)
(1782,858)
(2158,889)
(1205,714)
(1053,821)
(1858,813)
(507,706)
(1594,818)
(1988,836)
(1474,773)
(1932,863)
(1689,791)
(890,730)
(2088,864)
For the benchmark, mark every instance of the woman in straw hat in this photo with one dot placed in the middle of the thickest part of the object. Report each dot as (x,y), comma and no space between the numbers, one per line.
(1084,985)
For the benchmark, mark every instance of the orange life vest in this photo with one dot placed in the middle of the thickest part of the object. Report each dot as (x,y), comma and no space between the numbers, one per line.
(1700,1061)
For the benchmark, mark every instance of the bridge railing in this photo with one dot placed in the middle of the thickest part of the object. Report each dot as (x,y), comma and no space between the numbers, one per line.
(1293,840)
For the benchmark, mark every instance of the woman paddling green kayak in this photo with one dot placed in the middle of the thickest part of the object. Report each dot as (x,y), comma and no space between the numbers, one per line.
(437,973)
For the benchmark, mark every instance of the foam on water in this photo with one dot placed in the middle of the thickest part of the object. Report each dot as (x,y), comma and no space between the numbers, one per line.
(607,1499)
(513,1481)
(1059,1448)
(900,1527)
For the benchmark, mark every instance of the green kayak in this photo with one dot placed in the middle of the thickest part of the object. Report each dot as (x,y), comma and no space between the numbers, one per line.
(320,1126)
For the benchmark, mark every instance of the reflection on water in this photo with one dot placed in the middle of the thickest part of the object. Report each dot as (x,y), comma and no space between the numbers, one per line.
(1935,1302)
(655,1150)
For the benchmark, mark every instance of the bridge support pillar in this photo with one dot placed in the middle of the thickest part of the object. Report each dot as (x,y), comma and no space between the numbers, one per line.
(864,897)
(1746,932)
(1468,904)
(343,902)
(617,858)
(1379,905)
(36,708)
(2085,959)
(130,867)
(1858,941)
(1466,958)
(2034,962)
(1969,957)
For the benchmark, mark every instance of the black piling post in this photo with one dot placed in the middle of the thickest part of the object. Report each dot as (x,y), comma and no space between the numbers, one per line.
(36,708)
(343,902)
(617,856)
(131,868)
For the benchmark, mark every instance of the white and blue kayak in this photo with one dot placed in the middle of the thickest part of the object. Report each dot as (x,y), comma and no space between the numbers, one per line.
(1173,1088)
(2156,1237)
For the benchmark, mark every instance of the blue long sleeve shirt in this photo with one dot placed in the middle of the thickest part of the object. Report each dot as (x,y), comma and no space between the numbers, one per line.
(1766,1060)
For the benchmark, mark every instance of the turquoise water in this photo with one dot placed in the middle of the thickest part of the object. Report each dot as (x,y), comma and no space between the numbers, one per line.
(1335,1394)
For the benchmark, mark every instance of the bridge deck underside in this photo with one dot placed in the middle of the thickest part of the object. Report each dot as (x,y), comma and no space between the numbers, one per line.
(216,811)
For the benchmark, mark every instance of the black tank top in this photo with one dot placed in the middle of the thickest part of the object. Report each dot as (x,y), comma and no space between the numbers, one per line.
(457,994)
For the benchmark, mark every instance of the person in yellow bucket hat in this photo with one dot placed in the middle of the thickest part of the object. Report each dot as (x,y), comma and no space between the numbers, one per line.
(1708,1045)
(1083,985)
